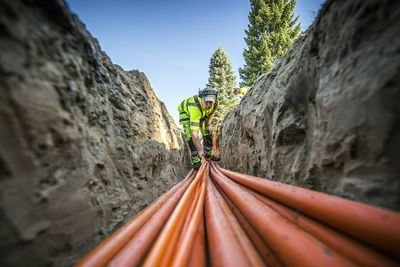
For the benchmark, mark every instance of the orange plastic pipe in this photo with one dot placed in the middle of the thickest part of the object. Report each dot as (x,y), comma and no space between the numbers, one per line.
(358,253)
(267,255)
(198,254)
(231,211)
(355,251)
(376,226)
(191,211)
(182,226)
(142,240)
(252,255)
(186,240)
(171,244)
(269,258)
(224,248)
(177,232)
(102,254)
(288,242)
(170,233)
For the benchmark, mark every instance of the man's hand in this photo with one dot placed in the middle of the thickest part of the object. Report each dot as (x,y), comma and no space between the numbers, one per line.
(197,144)
(201,154)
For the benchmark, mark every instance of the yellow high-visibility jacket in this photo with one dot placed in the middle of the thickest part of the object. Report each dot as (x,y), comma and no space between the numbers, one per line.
(193,113)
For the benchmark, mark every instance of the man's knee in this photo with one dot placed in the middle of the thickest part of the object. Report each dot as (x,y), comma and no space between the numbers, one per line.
(192,147)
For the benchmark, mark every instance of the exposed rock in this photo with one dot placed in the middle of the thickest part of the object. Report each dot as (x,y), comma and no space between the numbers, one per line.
(84,145)
(327,115)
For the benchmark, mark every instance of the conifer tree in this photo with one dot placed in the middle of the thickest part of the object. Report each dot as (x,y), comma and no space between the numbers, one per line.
(271,31)
(222,78)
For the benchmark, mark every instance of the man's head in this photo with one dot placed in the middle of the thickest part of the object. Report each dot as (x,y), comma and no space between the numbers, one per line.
(209,97)
(209,101)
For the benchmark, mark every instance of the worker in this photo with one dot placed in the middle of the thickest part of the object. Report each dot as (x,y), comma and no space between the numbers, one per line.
(196,113)
(240,91)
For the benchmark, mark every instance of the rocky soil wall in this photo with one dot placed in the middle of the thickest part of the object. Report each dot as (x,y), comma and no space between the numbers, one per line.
(327,116)
(84,145)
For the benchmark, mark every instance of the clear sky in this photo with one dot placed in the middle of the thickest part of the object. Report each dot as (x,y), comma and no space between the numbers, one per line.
(172,41)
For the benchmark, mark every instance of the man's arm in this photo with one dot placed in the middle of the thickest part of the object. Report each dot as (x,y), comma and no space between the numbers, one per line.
(210,118)
(208,123)
(196,142)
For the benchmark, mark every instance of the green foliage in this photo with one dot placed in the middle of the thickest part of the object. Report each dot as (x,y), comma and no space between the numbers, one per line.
(271,31)
(222,78)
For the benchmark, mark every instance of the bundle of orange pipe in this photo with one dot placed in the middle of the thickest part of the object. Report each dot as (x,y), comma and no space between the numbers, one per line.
(222,218)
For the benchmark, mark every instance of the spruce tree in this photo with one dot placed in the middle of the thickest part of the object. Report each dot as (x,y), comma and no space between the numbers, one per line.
(223,79)
(271,31)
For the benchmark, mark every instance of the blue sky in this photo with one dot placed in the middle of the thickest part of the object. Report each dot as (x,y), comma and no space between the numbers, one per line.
(172,41)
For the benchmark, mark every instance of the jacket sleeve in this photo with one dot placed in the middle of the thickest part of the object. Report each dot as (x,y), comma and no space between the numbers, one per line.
(195,116)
